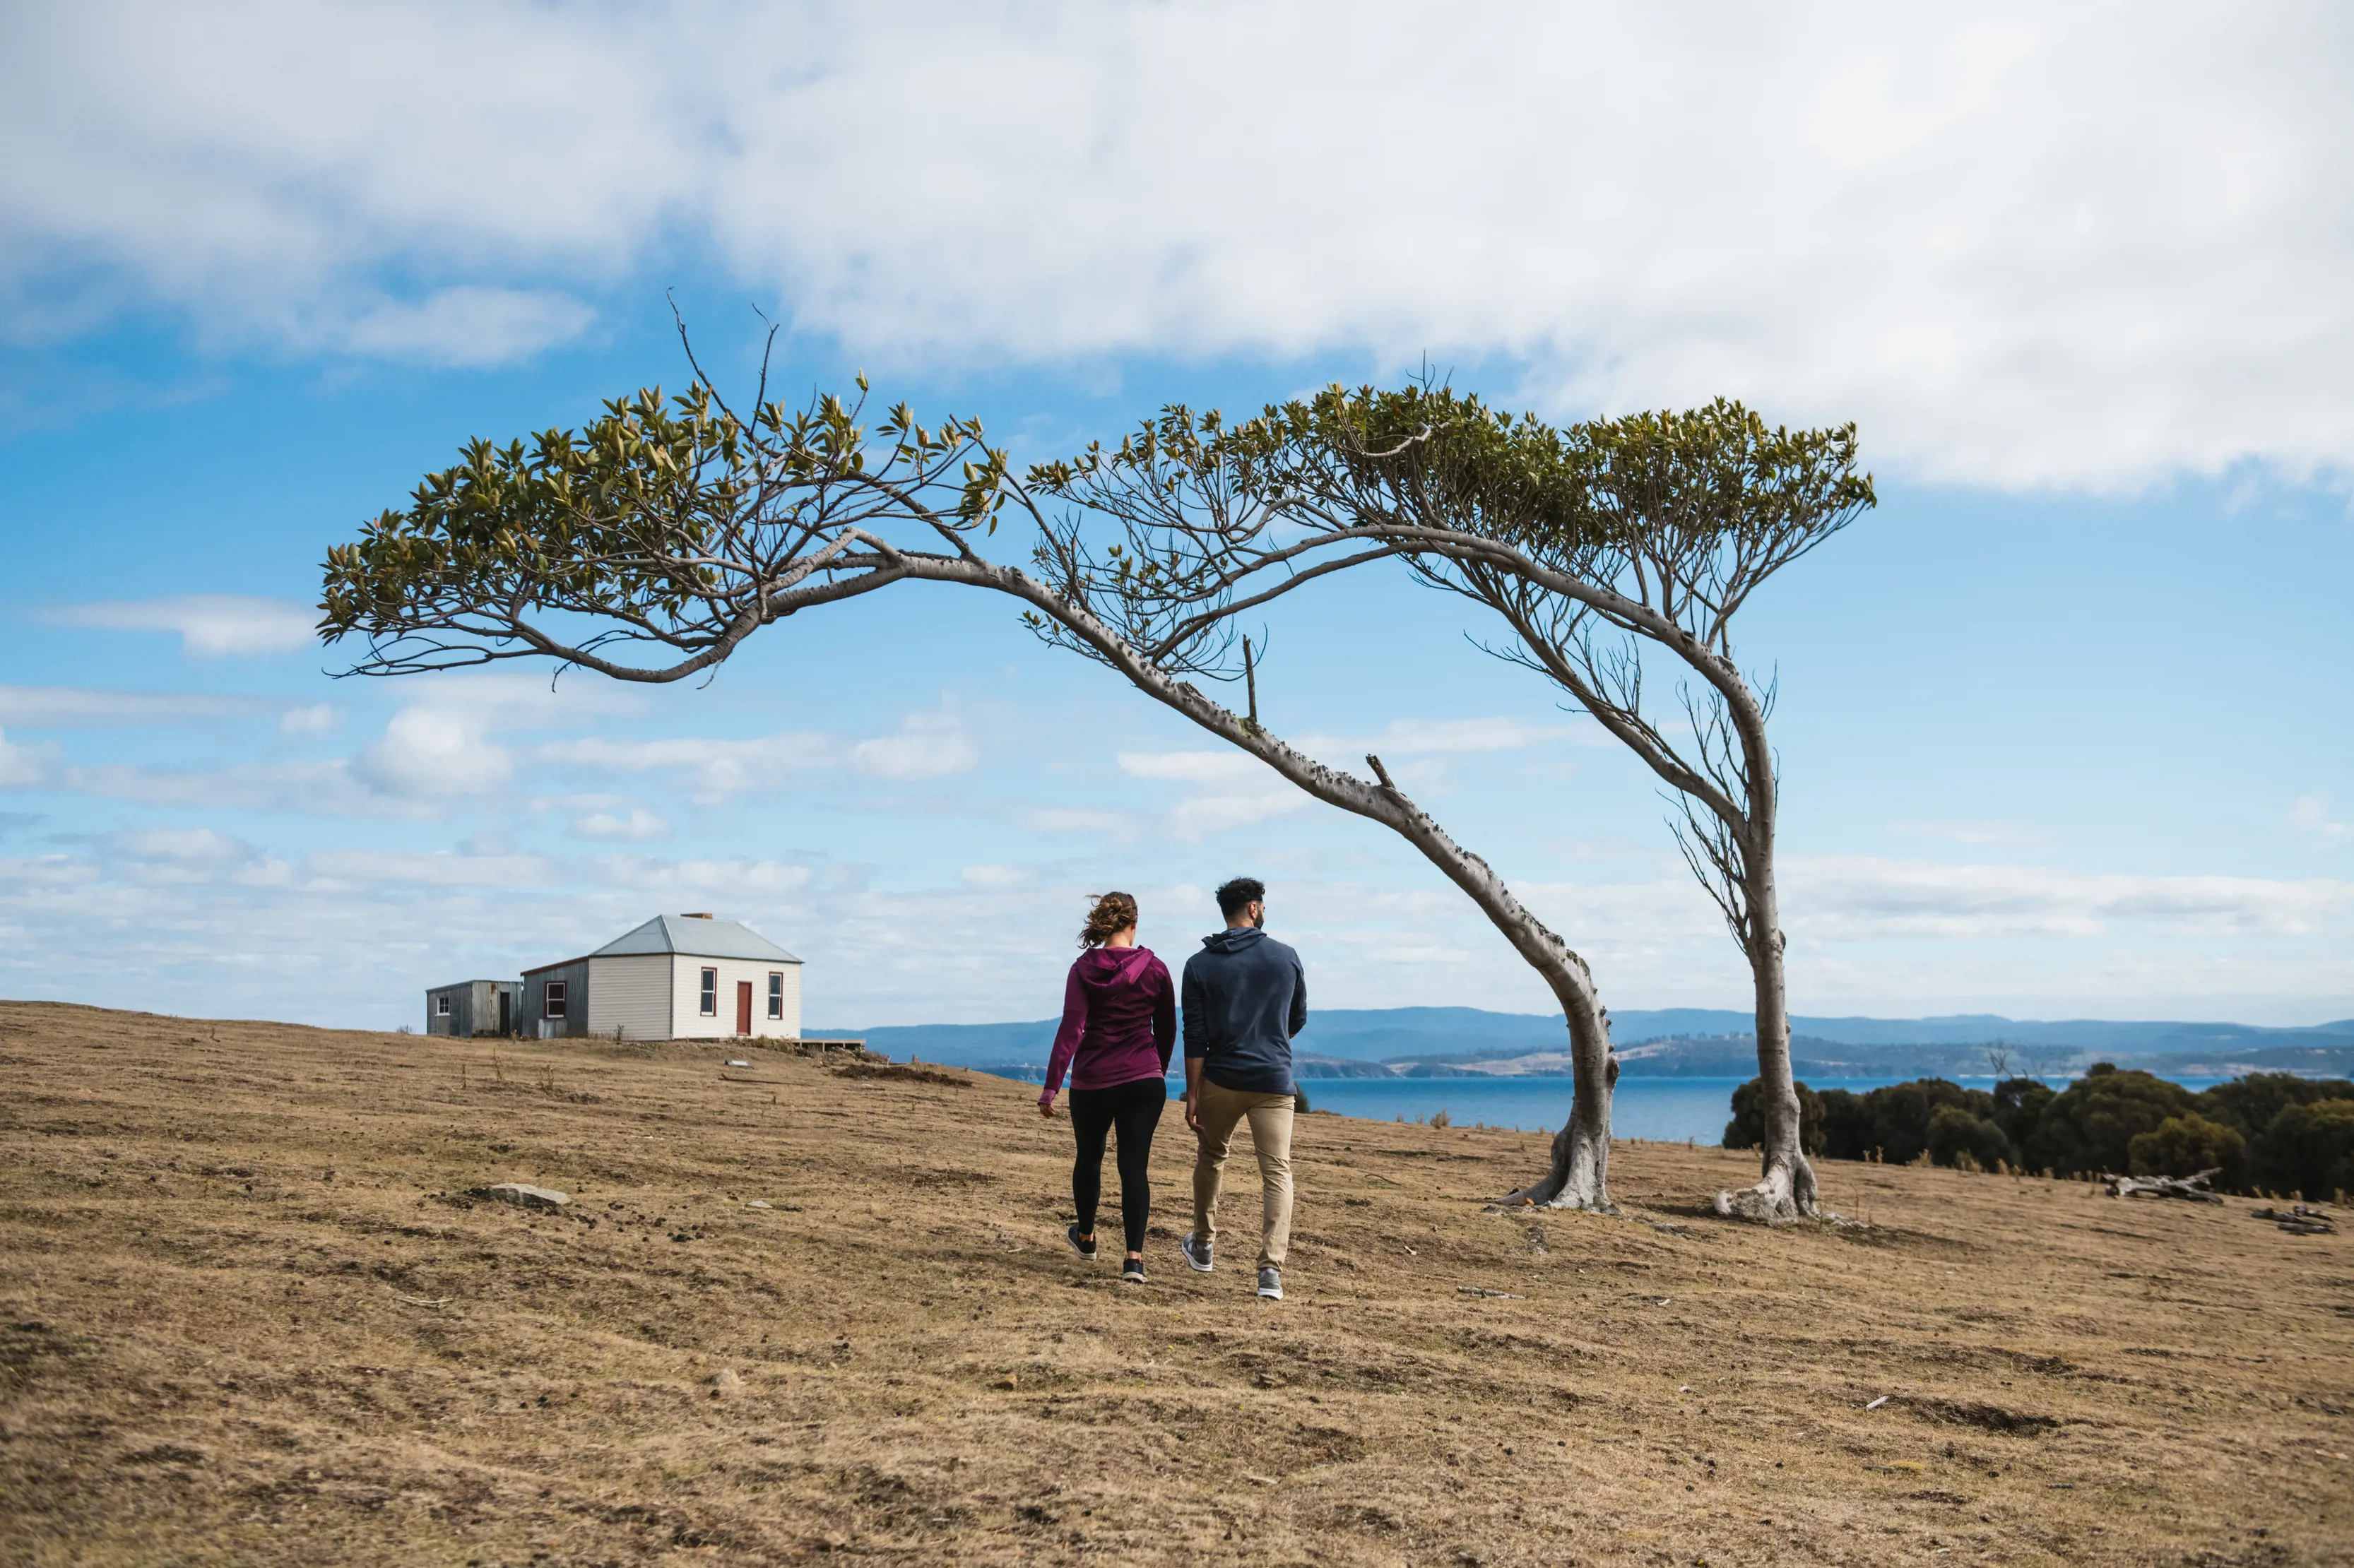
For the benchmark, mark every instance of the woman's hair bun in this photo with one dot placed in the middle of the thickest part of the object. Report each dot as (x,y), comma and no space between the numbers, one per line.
(1113,913)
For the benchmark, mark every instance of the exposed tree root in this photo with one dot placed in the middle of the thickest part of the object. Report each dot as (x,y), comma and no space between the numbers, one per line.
(1786,1192)
(1580,1177)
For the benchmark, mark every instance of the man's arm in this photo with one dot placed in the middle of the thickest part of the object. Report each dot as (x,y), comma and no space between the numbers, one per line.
(1197,1041)
(1299,997)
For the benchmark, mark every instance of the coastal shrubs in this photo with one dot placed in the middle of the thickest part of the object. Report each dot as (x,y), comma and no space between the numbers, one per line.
(2266,1132)
(1747,1128)
(2089,1127)
(2309,1152)
(1959,1137)
(2187,1144)
(1893,1124)
(2019,1107)
(2251,1104)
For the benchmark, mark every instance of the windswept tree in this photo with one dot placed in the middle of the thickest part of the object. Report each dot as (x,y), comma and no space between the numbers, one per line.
(1606,550)
(649,544)
(1602,548)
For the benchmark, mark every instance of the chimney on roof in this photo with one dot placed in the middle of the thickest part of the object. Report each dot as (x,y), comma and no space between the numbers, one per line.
(704,917)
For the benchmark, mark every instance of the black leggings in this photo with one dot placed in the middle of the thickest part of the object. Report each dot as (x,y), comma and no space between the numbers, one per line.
(1135,1109)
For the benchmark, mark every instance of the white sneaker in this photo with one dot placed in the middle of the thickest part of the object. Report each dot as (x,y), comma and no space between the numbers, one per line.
(1270,1283)
(1197,1254)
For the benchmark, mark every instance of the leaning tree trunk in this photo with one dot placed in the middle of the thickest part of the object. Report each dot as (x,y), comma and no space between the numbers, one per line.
(1580,1163)
(1580,1176)
(1786,1188)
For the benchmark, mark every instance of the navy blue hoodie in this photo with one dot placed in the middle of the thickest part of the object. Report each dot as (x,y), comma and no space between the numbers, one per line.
(1244,997)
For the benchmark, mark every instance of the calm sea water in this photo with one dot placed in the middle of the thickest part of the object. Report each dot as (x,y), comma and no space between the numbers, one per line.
(1666,1108)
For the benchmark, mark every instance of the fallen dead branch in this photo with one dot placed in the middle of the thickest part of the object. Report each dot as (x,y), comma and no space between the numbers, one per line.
(2193,1188)
(2301,1220)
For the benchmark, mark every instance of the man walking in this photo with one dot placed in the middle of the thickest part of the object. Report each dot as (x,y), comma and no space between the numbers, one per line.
(1244,996)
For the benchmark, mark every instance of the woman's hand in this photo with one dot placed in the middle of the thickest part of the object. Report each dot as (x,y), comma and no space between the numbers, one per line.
(1047,1105)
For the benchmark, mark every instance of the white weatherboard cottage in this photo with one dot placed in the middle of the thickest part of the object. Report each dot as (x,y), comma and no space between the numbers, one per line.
(677,976)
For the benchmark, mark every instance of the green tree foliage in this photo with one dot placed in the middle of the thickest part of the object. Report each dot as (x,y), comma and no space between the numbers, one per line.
(2187,1144)
(1895,1123)
(2089,1127)
(1747,1128)
(2251,1103)
(1901,1115)
(2107,1121)
(1847,1124)
(1958,1136)
(2309,1152)
(668,525)
(2018,1106)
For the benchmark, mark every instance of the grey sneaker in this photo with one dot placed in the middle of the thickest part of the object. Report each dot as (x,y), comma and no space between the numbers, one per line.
(1197,1254)
(1270,1283)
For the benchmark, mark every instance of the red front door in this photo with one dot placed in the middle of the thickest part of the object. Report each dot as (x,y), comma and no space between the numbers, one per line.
(743,1007)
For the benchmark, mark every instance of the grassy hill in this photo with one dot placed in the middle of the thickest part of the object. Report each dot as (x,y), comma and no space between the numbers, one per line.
(253,1311)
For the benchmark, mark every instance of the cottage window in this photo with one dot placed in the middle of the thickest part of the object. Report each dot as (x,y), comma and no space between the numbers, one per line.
(440,1007)
(776,993)
(711,993)
(555,1007)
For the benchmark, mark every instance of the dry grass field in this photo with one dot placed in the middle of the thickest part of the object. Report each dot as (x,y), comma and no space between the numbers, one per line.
(249,1314)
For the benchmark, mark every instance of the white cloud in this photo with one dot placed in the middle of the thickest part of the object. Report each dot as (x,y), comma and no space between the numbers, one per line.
(2023,245)
(1964,833)
(639,826)
(467,327)
(926,746)
(83,707)
(1233,789)
(1847,899)
(718,767)
(1078,820)
(324,788)
(200,844)
(452,741)
(355,870)
(316,718)
(994,877)
(1423,738)
(432,750)
(210,625)
(719,881)
(21,767)
(2310,815)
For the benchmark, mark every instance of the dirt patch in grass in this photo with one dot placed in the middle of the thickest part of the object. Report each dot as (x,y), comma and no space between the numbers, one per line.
(904,1073)
(248,1315)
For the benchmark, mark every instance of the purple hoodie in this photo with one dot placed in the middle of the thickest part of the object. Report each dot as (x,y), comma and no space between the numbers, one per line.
(1119,1021)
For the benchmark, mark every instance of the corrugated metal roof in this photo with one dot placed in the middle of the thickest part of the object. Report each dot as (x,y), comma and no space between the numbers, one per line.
(697,936)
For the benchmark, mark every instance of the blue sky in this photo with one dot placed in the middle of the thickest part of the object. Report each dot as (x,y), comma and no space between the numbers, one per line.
(2064,725)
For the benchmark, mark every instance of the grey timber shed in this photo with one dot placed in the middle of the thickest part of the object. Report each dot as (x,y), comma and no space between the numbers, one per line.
(469,1007)
(676,977)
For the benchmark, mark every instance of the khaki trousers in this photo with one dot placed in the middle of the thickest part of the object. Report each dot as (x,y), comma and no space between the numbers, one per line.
(1222,1109)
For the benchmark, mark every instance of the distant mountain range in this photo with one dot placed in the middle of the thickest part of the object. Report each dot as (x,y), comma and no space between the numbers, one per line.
(1691,1041)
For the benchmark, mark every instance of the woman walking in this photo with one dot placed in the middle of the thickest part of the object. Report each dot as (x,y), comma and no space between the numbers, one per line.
(1120,1022)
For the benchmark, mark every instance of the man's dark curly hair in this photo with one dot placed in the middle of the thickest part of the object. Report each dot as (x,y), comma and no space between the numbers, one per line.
(1242,890)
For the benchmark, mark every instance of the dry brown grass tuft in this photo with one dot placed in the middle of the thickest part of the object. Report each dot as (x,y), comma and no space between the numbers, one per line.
(249,1314)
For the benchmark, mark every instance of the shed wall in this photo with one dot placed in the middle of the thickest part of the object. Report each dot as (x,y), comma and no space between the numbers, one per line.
(537,1024)
(631,993)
